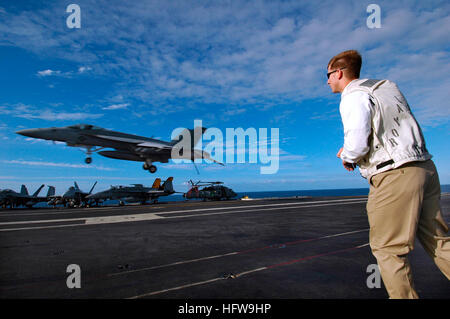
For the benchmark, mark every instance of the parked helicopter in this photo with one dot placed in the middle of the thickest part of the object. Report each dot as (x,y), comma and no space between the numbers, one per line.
(211,191)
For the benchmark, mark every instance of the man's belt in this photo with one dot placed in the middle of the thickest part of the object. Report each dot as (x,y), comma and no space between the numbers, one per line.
(381,165)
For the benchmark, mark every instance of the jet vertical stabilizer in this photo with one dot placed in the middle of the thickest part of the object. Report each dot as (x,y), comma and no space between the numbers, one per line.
(51,191)
(156,183)
(168,186)
(24,190)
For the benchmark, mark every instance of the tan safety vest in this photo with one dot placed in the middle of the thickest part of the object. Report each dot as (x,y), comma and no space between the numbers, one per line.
(396,137)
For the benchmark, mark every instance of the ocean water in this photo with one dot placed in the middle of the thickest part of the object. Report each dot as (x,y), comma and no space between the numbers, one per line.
(313,193)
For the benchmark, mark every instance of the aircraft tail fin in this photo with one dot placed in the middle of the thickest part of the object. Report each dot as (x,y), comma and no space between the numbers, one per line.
(38,190)
(168,186)
(156,183)
(194,134)
(24,190)
(76,186)
(92,188)
(51,191)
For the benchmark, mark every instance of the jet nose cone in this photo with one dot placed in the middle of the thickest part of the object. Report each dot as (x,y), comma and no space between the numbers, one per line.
(42,133)
(28,132)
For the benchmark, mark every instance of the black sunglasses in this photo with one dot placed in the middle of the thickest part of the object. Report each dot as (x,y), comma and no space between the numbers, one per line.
(329,73)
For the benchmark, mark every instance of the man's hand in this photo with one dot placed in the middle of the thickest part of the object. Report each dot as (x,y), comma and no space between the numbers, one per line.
(348,166)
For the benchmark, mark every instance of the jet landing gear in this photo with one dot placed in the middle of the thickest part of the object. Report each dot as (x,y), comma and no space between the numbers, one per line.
(149,167)
(89,151)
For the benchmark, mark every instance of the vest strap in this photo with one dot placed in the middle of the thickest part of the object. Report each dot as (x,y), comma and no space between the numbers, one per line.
(381,165)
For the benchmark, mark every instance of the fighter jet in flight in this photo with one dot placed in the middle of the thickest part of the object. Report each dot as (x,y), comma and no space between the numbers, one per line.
(124,146)
(135,193)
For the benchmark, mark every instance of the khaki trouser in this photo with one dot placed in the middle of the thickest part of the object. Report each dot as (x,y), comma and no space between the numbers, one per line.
(404,202)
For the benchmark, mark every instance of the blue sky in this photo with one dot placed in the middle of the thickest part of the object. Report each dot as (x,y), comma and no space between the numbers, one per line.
(148,67)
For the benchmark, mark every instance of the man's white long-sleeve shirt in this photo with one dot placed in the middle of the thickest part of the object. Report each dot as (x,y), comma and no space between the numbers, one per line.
(356,117)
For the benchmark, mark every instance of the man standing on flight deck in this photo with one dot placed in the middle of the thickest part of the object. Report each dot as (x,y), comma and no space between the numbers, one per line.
(383,138)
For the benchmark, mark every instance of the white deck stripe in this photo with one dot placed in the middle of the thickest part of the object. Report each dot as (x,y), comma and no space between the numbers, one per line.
(224,278)
(177,211)
(229,254)
(156,215)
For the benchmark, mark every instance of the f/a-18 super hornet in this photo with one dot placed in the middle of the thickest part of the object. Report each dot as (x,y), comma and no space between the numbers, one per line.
(135,193)
(124,146)
(73,197)
(13,199)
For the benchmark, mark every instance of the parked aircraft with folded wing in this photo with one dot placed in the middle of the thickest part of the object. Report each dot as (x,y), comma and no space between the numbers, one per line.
(13,199)
(135,193)
(73,197)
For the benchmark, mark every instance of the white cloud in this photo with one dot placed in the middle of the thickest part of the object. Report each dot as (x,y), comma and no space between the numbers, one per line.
(292,158)
(259,52)
(49,115)
(84,69)
(233,112)
(116,106)
(39,141)
(48,72)
(32,112)
(68,74)
(52,164)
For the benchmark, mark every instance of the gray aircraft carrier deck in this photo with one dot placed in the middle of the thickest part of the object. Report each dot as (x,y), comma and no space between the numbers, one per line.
(277,248)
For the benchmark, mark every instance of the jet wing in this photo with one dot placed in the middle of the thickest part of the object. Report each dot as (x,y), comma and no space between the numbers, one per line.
(138,142)
(154,145)
(156,192)
(119,139)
